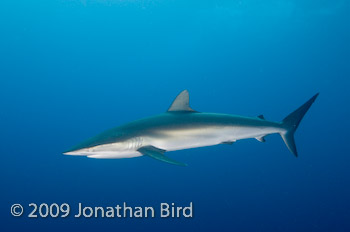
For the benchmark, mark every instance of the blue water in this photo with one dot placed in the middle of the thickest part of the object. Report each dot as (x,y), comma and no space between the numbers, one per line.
(70,69)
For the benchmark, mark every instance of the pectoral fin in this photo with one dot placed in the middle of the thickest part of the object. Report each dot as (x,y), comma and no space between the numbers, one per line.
(158,154)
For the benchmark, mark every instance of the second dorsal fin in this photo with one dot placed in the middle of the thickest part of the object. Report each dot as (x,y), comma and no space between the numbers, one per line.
(181,102)
(261,117)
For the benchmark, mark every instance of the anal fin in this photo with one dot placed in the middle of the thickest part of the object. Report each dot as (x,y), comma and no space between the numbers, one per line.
(261,139)
(158,154)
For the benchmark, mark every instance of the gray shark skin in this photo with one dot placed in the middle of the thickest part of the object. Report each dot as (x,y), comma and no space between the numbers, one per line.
(181,127)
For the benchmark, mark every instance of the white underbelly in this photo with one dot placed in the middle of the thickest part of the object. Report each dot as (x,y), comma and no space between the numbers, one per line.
(178,140)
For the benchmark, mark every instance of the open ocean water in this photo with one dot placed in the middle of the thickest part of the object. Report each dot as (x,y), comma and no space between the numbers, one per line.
(70,69)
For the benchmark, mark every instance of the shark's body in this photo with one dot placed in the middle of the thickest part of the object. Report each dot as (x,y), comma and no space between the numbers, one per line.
(181,128)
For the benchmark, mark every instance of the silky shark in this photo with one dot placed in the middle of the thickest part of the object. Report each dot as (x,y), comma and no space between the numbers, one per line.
(181,127)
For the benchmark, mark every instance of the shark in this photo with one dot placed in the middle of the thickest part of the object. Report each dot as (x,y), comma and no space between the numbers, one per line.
(181,127)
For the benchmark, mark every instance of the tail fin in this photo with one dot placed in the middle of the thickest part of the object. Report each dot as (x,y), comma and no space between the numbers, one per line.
(291,123)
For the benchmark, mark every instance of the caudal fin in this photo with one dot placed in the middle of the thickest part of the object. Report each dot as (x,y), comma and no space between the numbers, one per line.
(291,123)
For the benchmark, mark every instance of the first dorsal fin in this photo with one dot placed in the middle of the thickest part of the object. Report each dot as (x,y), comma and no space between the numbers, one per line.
(181,102)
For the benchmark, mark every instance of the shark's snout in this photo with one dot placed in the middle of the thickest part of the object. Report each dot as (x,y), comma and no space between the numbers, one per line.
(71,152)
(75,152)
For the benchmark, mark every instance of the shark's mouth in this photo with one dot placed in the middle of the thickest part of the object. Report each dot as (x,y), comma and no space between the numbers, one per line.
(115,155)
